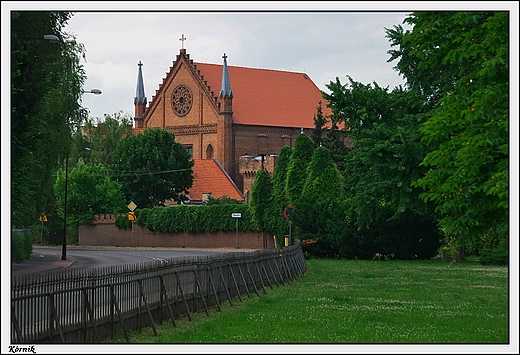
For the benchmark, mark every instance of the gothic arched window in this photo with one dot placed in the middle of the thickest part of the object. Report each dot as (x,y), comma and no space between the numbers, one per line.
(209,152)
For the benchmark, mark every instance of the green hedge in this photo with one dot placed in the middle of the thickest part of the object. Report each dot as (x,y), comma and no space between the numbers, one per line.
(204,218)
(21,245)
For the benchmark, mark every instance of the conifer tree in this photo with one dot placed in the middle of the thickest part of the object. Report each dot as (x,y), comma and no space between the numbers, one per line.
(278,225)
(260,201)
(317,211)
(297,169)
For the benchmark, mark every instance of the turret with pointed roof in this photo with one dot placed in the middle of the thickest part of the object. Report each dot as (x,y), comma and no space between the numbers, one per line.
(226,85)
(226,137)
(139,99)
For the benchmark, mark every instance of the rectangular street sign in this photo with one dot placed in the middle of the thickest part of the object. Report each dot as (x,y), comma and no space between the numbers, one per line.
(236,215)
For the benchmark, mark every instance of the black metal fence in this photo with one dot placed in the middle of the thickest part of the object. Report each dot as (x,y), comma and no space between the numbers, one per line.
(93,305)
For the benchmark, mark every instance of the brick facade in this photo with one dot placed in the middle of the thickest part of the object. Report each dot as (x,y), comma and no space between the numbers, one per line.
(247,111)
(104,233)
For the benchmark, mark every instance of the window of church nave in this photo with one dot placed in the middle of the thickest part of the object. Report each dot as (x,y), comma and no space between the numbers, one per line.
(189,149)
(209,152)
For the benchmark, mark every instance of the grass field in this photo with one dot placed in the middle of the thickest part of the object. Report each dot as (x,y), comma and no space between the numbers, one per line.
(360,302)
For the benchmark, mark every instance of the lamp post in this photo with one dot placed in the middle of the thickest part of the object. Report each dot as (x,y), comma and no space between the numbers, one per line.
(64,247)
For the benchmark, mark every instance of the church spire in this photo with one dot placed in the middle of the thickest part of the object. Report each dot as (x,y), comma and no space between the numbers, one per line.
(139,99)
(139,92)
(226,86)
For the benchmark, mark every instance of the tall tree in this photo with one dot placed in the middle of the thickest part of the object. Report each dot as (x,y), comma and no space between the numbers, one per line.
(261,197)
(97,139)
(278,225)
(381,166)
(386,152)
(320,122)
(336,144)
(460,62)
(152,167)
(317,209)
(297,169)
(46,87)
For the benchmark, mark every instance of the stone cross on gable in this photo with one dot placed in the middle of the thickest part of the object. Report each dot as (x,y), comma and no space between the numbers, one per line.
(182,39)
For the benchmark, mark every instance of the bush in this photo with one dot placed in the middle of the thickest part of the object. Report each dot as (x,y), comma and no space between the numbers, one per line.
(21,245)
(495,256)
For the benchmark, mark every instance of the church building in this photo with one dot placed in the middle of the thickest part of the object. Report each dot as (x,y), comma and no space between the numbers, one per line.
(239,117)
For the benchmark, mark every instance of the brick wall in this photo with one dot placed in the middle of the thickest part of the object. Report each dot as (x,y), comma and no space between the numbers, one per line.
(105,233)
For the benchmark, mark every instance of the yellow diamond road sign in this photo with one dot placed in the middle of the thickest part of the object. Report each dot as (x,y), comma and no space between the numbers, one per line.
(132,206)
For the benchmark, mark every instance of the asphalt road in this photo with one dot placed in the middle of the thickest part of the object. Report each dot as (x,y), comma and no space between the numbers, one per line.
(47,258)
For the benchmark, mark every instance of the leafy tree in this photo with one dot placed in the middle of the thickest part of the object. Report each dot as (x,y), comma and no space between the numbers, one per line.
(261,196)
(297,169)
(319,129)
(46,88)
(90,191)
(386,152)
(329,137)
(335,144)
(152,168)
(458,62)
(97,139)
(381,166)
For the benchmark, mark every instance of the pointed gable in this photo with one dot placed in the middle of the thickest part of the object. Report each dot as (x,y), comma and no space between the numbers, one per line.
(209,176)
(267,97)
(184,74)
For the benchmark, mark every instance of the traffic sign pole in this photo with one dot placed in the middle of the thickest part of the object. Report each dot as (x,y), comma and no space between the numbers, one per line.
(237,216)
(237,233)
(131,216)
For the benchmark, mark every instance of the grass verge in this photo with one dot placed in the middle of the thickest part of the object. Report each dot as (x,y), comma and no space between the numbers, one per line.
(360,302)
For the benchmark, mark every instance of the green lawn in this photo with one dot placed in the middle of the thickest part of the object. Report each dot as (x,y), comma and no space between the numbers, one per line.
(360,302)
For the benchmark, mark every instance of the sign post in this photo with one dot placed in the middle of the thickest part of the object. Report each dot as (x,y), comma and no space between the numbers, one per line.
(237,216)
(131,216)
(287,214)
(43,218)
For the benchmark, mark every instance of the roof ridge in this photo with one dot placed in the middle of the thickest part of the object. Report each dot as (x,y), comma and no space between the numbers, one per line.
(227,175)
(245,67)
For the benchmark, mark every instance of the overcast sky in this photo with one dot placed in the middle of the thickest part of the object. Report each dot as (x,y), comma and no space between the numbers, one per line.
(323,45)
(323,39)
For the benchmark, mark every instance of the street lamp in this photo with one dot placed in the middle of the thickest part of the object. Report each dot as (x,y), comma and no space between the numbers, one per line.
(64,248)
(92,91)
(51,38)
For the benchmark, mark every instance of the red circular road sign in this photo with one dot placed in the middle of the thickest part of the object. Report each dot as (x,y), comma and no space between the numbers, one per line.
(287,211)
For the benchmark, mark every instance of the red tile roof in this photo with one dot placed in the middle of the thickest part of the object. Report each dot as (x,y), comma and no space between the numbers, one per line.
(209,176)
(268,97)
